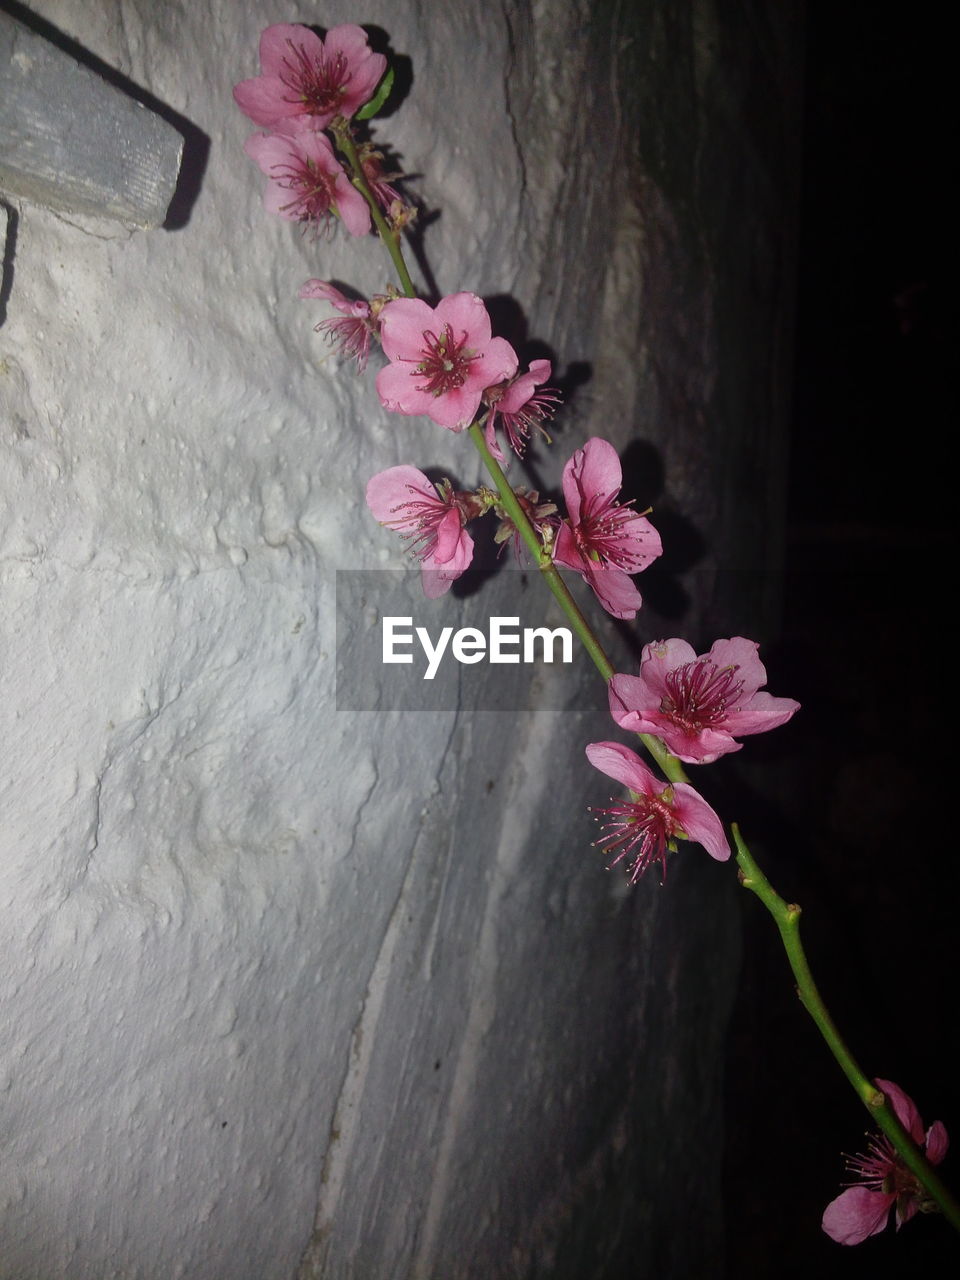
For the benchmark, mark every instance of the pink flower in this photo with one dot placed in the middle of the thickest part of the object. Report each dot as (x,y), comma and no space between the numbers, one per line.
(696,705)
(308,80)
(442,358)
(882,1179)
(350,334)
(306,182)
(520,408)
(431,517)
(645,827)
(602,540)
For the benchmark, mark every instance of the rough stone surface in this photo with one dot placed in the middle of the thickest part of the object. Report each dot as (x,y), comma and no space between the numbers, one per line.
(288,990)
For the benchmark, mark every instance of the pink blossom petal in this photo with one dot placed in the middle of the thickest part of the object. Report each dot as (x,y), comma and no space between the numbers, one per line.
(904,1108)
(740,653)
(594,469)
(466,313)
(615,591)
(763,712)
(352,207)
(262,100)
(856,1214)
(699,821)
(388,492)
(438,579)
(632,701)
(402,326)
(937,1143)
(520,391)
(662,657)
(275,45)
(449,532)
(624,766)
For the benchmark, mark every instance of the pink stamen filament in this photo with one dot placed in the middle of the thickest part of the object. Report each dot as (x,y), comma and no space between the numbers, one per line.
(640,830)
(602,533)
(319,84)
(699,694)
(315,189)
(445,363)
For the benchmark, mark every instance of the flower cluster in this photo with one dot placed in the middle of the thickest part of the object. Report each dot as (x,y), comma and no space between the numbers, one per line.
(881,1179)
(305,85)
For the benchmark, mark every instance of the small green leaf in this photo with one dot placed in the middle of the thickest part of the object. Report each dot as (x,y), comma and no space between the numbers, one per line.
(379,98)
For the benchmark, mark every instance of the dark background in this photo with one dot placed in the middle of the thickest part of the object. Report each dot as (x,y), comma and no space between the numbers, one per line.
(851,805)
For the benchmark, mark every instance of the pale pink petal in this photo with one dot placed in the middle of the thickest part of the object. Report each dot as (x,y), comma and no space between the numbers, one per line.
(465,313)
(449,532)
(454,409)
(741,653)
(497,361)
(388,492)
(519,392)
(640,541)
(615,591)
(662,657)
(403,323)
(398,392)
(366,68)
(565,549)
(275,45)
(699,821)
(856,1214)
(700,748)
(624,766)
(269,150)
(904,1108)
(938,1142)
(352,207)
(594,469)
(632,703)
(437,580)
(762,712)
(262,100)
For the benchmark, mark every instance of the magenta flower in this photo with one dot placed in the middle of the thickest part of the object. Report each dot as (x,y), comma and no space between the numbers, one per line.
(520,408)
(646,826)
(697,705)
(430,517)
(306,80)
(442,358)
(603,541)
(350,333)
(882,1179)
(306,182)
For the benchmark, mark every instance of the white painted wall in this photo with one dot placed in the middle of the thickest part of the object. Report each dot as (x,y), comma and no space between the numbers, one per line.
(263,962)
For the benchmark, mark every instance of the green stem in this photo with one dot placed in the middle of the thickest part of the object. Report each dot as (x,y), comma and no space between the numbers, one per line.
(787,918)
(391,238)
(542,558)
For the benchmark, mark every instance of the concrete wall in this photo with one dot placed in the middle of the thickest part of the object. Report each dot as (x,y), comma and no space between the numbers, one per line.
(285,989)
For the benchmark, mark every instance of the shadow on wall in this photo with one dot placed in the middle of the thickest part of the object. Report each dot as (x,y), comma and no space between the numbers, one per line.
(196,144)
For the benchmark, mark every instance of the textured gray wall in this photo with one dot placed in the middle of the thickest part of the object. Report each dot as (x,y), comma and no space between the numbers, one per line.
(267,964)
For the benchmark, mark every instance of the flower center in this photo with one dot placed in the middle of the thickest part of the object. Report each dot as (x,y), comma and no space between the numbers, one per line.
(602,533)
(429,514)
(445,363)
(699,694)
(318,83)
(639,830)
(313,187)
